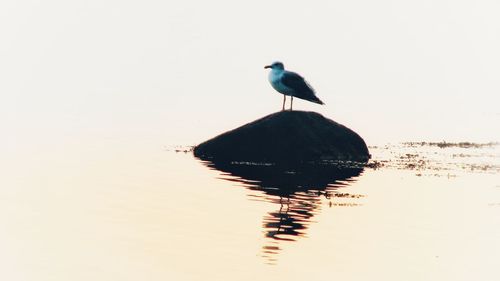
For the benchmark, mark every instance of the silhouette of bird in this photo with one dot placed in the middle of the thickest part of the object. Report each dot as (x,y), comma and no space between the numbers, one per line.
(290,84)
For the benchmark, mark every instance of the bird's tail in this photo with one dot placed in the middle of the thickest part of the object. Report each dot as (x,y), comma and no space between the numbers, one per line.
(317,100)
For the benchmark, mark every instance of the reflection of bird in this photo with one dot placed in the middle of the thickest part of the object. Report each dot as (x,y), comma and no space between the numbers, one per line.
(290,84)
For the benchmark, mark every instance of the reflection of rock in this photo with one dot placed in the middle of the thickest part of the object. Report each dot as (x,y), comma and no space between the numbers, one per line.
(286,136)
(297,189)
(286,179)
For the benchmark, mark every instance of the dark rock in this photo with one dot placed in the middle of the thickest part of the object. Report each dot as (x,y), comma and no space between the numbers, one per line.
(286,136)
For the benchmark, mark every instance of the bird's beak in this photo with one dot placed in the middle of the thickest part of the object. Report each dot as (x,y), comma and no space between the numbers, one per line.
(267,66)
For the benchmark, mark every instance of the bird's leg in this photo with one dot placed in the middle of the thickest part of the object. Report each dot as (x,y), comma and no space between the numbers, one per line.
(284,99)
(291,104)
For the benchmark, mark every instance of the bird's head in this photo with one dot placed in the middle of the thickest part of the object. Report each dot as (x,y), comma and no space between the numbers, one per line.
(276,66)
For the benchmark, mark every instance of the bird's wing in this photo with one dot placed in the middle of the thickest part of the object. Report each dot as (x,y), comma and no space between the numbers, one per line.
(301,88)
(296,82)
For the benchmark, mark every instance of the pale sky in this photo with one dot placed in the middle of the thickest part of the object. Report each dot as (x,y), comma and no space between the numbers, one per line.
(179,72)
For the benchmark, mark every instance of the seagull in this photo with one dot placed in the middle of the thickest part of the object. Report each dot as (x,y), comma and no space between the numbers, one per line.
(290,84)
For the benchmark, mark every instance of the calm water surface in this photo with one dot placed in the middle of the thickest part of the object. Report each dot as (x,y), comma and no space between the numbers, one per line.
(144,212)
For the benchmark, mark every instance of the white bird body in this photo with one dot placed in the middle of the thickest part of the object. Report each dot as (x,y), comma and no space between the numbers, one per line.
(290,84)
(274,77)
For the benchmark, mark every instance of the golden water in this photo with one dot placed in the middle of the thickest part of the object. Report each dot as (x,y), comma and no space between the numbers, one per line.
(139,212)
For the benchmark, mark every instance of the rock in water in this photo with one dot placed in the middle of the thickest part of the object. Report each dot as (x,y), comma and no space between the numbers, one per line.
(286,136)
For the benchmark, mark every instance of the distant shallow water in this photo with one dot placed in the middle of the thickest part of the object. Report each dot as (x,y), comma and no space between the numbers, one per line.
(439,158)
